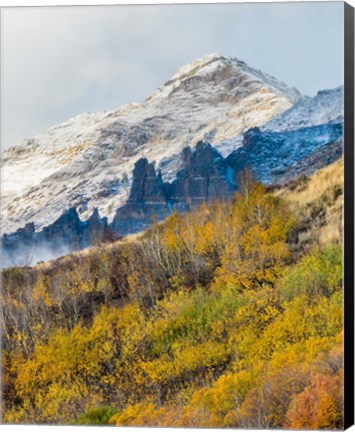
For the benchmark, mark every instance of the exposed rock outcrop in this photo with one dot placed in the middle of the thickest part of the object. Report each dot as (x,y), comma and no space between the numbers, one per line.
(271,154)
(147,199)
(205,175)
(67,234)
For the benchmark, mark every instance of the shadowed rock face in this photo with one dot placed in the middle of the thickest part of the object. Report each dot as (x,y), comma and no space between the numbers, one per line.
(270,155)
(147,199)
(68,233)
(202,178)
(205,175)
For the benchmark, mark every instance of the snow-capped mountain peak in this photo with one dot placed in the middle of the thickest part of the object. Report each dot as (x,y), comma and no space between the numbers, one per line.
(217,67)
(87,162)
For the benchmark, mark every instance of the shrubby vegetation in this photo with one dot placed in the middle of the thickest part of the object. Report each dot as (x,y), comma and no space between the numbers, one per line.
(214,319)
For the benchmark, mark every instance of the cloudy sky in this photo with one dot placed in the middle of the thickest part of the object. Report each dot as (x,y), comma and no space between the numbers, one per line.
(60,62)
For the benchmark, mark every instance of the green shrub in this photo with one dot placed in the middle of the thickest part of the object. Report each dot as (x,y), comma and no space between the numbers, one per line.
(97,416)
(319,273)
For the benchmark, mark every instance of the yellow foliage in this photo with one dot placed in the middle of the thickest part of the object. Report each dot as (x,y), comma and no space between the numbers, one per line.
(142,414)
(209,320)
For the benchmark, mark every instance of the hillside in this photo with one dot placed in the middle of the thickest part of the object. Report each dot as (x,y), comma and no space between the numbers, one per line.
(226,316)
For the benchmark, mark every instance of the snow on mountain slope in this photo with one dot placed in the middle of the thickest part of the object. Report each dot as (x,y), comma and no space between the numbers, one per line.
(327,106)
(87,162)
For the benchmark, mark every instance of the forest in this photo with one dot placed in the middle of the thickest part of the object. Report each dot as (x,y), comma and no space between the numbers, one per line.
(228,316)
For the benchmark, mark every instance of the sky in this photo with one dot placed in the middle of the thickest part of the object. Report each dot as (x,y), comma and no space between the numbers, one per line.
(62,61)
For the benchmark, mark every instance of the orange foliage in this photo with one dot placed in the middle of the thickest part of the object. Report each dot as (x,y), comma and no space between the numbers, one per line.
(319,406)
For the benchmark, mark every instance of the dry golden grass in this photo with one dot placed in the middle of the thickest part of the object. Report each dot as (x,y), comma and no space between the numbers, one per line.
(318,201)
(319,183)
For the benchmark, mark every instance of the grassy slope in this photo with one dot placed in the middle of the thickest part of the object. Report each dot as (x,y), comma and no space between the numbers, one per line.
(318,201)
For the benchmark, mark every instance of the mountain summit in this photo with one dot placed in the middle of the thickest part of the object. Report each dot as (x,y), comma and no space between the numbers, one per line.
(234,77)
(87,162)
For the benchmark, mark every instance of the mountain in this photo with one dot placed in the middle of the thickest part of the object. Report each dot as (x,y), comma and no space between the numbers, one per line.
(87,162)
(107,175)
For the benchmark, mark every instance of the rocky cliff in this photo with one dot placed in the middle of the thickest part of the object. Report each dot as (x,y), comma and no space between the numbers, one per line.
(66,234)
(204,176)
